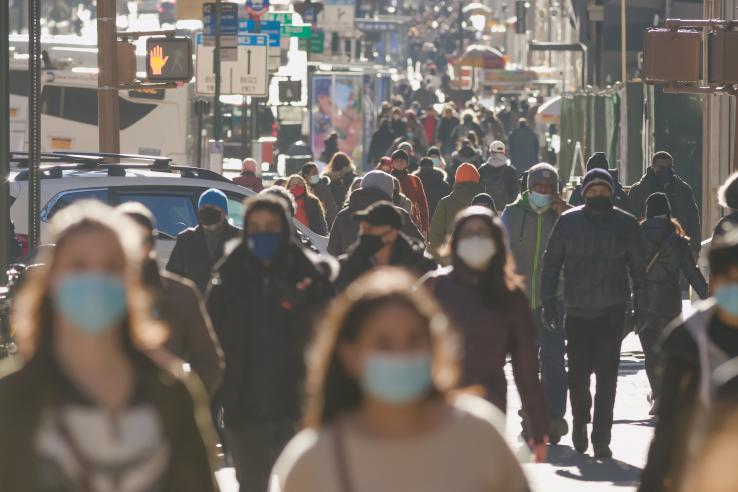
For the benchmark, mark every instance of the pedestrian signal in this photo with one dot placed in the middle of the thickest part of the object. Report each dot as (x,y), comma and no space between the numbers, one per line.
(169,59)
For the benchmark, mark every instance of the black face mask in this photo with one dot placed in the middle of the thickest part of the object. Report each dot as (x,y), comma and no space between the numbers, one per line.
(370,245)
(209,216)
(663,176)
(599,203)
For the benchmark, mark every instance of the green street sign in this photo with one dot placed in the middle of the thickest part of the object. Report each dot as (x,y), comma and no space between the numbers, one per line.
(317,42)
(284,18)
(301,32)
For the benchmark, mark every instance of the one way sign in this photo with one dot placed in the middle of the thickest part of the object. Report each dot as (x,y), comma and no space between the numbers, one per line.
(246,76)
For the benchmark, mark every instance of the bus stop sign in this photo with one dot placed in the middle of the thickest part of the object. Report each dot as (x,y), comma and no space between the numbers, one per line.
(169,59)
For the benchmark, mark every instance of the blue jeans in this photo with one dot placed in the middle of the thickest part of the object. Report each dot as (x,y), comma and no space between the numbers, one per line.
(553,364)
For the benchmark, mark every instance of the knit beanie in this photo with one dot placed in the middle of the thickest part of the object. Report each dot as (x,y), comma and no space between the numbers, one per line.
(657,205)
(598,160)
(378,180)
(425,162)
(542,173)
(467,173)
(596,176)
(215,198)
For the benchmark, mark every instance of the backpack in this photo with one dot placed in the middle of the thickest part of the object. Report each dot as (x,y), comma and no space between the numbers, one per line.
(493,180)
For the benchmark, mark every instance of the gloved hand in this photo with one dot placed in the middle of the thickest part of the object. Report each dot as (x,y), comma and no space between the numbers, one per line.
(550,317)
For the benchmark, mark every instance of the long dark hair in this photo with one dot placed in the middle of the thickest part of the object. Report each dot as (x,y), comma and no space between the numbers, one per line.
(332,392)
(499,281)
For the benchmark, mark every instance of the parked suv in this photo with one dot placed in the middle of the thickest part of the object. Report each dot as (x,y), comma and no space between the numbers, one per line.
(170,192)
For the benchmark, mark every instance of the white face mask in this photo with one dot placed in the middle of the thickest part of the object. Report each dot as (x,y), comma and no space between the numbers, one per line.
(476,252)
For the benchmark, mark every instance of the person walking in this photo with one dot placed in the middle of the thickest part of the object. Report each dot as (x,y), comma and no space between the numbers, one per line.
(499,178)
(309,210)
(598,160)
(382,243)
(94,400)
(692,349)
(330,148)
(529,222)
(376,186)
(484,298)
(660,177)
(434,183)
(412,187)
(342,172)
(262,300)
(179,305)
(381,141)
(728,199)
(466,187)
(321,188)
(380,414)
(446,127)
(248,178)
(668,255)
(466,152)
(199,248)
(600,251)
(523,145)
(430,125)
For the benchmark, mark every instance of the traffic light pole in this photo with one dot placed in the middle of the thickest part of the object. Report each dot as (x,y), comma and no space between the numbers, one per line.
(255,103)
(216,70)
(107,80)
(4,142)
(34,122)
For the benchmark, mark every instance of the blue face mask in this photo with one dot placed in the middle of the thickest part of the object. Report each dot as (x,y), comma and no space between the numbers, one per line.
(727,298)
(539,200)
(397,379)
(93,302)
(264,245)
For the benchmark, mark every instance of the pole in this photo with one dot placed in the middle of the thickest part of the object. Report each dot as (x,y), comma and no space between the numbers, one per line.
(4,143)
(461,26)
(623,44)
(216,70)
(107,96)
(34,122)
(255,102)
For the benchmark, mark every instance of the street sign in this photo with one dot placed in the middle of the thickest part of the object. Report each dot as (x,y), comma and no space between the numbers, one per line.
(338,15)
(228,19)
(284,18)
(257,8)
(316,42)
(247,75)
(271,28)
(309,10)
(169,59)
(300,32)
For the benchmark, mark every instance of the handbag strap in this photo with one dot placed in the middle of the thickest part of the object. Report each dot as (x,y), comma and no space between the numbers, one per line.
(73,445)
(339,450)
(653,260)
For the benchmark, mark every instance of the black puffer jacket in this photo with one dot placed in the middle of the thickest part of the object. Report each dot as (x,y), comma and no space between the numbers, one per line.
(662,277)
(725,224)
(345,230)
(407,253)
(435,186)
(263,317)
(599,254)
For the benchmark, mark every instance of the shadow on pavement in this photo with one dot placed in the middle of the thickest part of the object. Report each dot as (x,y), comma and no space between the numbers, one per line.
(591,470)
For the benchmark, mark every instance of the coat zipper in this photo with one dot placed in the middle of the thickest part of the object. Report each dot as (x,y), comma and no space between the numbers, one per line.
(534,280)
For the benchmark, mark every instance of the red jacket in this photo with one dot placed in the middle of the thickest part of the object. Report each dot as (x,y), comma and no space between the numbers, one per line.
(430,124)
(250,181)
(412,187)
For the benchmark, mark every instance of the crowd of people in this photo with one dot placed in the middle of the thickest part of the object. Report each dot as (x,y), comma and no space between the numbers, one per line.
(380,365)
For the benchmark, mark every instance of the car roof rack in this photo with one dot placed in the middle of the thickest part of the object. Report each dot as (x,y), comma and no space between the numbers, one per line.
(85,160)
(157,160)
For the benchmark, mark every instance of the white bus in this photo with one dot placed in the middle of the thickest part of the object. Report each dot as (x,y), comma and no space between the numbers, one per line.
(152,121)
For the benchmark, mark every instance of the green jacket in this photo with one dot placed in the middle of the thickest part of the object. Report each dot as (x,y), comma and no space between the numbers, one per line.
(528,232)
(443,220)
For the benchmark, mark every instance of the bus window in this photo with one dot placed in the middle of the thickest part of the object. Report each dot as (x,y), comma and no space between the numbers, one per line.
(131,112)
(51,98)
(80,105)
(19,82)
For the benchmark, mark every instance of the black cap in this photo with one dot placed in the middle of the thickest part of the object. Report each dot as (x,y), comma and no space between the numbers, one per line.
(425,162)
(484,200)
(400,155)
(598,160)
(657,205)
(382,213)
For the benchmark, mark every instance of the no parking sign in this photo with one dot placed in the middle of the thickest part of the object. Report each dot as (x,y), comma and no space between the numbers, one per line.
(257,8)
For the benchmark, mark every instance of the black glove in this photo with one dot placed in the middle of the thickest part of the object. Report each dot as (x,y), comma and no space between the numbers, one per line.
(550,317)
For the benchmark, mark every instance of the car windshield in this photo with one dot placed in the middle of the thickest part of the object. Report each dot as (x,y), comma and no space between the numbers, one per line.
(174,212)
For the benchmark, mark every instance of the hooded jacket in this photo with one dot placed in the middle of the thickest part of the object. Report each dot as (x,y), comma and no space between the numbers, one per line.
(435,185)
(340,183)
(323,191)
(528,232)
(381,142)
(412,187)
(345,229)
(681,198)
(441,226)
(500,180)
(671,257)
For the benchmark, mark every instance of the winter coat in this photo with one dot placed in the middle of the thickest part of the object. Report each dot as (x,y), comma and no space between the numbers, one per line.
(398,127)
(250,181)
(501,182)
(488,336)
(662,278)
(443,220)
(407,253)
(725,224)
(29,389)
(315,216)
(435,186)
(459,157)
(528,233)
(446,127)
(345,230)
(180,306)
(523,147)
(685,398)
(341,182)
(412,187)
(430,126)
(381,142)
(331,148)
(190,257)
(263,317)
(323,191)
(681,198)
(416,133)
(620,197)
(600,255)
(461,131)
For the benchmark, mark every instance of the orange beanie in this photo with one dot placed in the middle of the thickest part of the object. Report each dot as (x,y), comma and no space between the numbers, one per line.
(467,173)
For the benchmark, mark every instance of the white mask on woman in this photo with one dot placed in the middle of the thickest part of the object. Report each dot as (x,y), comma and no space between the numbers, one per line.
(476,251)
